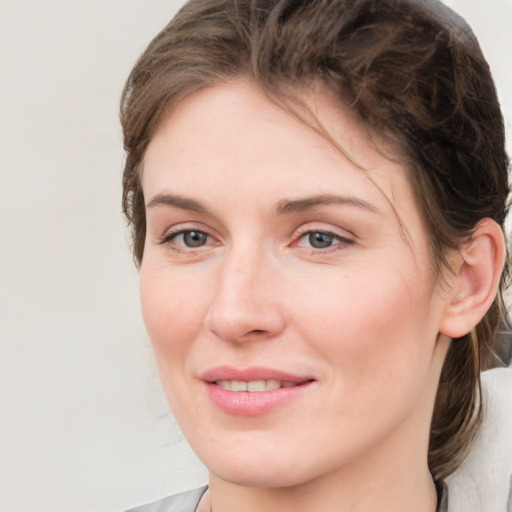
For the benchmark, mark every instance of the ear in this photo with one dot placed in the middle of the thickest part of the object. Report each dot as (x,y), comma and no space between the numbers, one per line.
(475,283)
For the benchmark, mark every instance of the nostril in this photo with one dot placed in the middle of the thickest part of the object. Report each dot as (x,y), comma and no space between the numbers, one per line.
(234,318)
(255,333)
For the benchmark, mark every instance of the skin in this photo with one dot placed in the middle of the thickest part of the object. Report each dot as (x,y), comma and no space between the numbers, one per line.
(364,315)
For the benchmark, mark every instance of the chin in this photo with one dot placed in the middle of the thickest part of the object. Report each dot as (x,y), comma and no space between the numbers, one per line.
(259,467)
(263,477)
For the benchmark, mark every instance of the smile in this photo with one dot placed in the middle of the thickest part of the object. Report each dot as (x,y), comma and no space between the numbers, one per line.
(253,391)
(255,386)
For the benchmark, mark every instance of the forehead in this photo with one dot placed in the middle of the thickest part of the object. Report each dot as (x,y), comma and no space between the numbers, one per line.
(233,132)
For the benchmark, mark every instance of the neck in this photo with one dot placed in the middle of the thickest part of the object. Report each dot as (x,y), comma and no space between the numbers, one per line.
(356,490)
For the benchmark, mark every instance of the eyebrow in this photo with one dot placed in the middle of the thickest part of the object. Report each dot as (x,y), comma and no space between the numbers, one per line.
(284,206)
(181,202)
(299,205)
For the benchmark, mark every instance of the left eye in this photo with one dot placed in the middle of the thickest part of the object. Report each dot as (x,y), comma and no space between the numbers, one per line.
(320,239)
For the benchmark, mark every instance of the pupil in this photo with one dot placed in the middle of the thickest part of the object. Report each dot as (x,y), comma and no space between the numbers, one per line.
(320,240)
(194,238)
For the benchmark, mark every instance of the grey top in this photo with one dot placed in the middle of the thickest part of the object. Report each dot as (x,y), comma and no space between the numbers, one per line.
(509,501)
(183,502)
(189,500)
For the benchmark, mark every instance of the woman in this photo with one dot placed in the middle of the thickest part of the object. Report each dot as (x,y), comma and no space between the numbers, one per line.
(317,191)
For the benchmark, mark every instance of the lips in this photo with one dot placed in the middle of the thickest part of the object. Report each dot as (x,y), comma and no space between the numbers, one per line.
(252,391)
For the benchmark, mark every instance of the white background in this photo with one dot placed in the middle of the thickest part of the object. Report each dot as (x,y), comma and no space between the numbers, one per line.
(83,424)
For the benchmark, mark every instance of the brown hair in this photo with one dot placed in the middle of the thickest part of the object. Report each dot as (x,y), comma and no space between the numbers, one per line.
(414,73)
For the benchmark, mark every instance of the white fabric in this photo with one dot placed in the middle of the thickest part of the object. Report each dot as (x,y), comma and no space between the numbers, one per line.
(482,483)
(187,501)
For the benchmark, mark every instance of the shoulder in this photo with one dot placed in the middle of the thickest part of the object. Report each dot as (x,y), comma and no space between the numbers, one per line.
(183,502)
(484,480)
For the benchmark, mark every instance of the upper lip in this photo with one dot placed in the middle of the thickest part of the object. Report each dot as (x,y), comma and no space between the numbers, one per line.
(251,374)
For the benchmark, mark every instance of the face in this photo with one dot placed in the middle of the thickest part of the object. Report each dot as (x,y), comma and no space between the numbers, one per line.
(290,314)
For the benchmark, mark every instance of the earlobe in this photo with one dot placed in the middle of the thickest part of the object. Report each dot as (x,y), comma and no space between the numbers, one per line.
(476,281)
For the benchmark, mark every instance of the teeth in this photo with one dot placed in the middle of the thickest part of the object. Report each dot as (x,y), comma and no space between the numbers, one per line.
(272,384)
(238,385)
(226,384)
(254,385)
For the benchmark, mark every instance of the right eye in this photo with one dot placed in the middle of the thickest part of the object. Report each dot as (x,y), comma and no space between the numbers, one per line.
(190,238)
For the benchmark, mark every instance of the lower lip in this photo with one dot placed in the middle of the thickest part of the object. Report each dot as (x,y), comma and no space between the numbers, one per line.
(256,403)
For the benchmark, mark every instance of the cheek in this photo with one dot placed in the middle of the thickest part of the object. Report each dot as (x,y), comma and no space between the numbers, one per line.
(172,310)
(374,331)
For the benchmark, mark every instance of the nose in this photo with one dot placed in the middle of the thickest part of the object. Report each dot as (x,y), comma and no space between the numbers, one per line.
(246,303)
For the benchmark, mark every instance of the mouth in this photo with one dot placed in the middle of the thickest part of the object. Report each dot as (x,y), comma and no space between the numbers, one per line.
(257,386)
(253,391)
